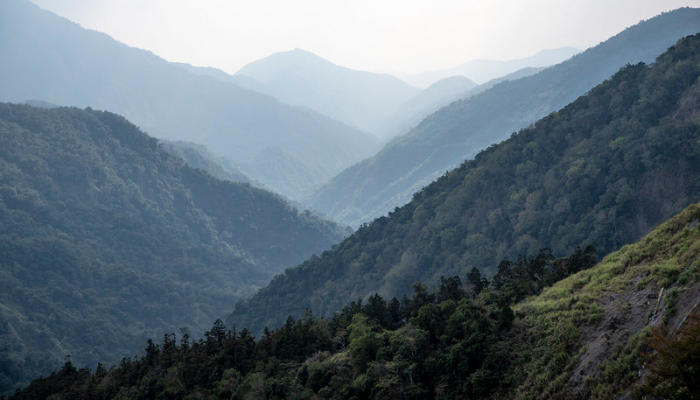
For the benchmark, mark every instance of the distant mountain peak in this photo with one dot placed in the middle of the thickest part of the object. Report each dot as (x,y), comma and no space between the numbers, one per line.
(266,67)
(358,98)
(49,58)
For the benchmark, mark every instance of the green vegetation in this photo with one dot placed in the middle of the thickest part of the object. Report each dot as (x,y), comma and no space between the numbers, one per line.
(433,343)
(558,184)
(105,240)
(451,342)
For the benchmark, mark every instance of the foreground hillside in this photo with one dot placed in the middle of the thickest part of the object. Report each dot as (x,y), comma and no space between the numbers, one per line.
(445,139)
(616,329)
(106,239)
(603,170)
(46,57)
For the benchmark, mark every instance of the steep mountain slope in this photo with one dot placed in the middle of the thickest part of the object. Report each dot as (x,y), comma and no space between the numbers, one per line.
(48,58)
(601,318)
(106,239)
(357,98)
(482,71)
(604,170)
(593,332)
(443,140)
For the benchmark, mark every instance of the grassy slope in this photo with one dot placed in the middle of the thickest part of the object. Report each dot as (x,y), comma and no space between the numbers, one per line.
(582,337)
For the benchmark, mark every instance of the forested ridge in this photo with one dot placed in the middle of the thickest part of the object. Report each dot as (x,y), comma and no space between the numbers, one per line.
(106,239)
(526,334)
(603,170)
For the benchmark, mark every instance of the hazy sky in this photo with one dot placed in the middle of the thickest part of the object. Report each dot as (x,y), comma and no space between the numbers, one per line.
(397,36)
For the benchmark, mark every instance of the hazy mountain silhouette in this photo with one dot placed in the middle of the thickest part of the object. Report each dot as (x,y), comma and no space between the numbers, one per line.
(457,132)
(357,98)
(46,57)
(482,71)
(412,111)
(438,95)
(244,82)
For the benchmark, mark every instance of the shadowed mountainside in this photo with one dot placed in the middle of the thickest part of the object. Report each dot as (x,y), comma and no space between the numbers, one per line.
(106,239)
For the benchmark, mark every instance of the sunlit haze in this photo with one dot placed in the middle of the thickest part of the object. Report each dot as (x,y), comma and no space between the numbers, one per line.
(399,37)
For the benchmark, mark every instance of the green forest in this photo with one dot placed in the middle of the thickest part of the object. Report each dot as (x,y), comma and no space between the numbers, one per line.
(106,239)
(516,336)
(560,263)
(604,170)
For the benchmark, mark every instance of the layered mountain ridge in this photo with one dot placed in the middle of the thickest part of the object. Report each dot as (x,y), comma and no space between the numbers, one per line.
(457,132)
(46,57)
(604,170)
(482,71)
(357,98)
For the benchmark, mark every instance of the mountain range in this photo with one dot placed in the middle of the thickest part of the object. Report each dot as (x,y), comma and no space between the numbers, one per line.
(48,58)
(604,171)
(109,236)
(439,95)
(446,138)
(379,104)
(106,240)
(482,71)
(357,98)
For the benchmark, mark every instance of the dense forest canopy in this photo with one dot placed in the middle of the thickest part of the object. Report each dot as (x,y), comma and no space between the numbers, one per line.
(603,170)
(106,239)
(524,335)
(119,252)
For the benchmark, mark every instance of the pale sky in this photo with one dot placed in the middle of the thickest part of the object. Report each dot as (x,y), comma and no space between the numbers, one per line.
(394,36)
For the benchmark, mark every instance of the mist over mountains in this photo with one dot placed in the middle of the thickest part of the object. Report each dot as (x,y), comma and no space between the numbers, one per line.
(482,215)
(482,71)
(64,64)
(457,132)
(359,99)
(46,57)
